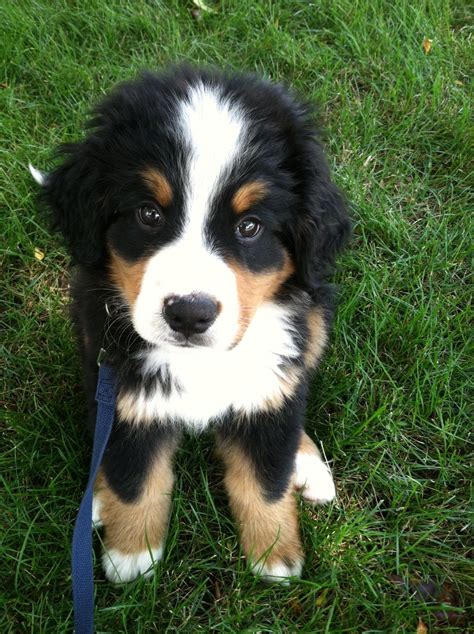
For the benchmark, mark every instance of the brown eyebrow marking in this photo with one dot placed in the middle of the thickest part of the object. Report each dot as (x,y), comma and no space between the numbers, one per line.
(248,195)
(158,185)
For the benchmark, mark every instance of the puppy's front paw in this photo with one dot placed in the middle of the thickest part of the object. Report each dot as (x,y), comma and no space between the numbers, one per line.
(278,570)
(314,478)
(121,567)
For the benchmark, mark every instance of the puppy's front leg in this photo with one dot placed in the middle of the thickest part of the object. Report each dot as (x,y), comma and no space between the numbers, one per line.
(259,463)
(132,499)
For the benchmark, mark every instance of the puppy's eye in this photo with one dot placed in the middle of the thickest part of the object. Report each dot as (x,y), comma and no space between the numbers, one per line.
(248,228)
(150,216)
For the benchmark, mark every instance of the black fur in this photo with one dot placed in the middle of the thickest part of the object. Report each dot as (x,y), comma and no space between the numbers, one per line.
(93,194)
(129,455)
(98,181)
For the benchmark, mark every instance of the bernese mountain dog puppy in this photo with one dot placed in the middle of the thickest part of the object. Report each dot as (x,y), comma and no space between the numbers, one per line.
(201,216)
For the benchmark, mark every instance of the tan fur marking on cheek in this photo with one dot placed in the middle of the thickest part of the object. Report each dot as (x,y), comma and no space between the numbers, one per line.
(128,277)
(263,526)
(248,195)
(317,339)
(254,289)
(159,186)
(135,527)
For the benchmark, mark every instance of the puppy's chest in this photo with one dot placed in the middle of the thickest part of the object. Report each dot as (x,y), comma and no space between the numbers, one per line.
(195,386)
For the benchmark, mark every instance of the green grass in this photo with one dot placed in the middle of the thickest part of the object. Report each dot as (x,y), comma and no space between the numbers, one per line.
(390,403)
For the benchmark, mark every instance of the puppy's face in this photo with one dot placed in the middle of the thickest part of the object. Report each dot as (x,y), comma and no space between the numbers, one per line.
(197,243)
(200,196)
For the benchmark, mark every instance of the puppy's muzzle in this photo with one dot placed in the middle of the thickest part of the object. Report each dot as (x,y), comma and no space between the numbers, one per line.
(190,314)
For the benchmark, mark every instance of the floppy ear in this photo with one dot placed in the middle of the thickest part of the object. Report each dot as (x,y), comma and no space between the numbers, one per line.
(72,193)
(322,226)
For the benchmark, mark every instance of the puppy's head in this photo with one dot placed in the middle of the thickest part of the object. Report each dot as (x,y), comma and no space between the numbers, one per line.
(201,197)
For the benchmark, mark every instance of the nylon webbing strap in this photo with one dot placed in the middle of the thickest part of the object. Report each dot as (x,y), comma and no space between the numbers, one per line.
(82,569)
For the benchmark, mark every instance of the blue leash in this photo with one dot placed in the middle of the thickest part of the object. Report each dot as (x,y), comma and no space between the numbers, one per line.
(82,571)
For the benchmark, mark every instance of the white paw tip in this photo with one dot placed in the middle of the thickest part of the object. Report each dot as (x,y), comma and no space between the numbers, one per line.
(314,478)
(38,176)
(278,572)
(120,567)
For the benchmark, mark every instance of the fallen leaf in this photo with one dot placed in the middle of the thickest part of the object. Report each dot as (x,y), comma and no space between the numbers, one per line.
(427,45)
(448,616)
(321,600)
(296,606)
(448,599)
(39,255)
(421,628)
(427,591)
(442,597)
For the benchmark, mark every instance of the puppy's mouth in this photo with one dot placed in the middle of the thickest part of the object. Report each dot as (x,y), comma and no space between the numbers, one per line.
(192,341)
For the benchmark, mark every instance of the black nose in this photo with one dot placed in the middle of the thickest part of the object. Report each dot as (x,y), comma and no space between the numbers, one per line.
(190,314)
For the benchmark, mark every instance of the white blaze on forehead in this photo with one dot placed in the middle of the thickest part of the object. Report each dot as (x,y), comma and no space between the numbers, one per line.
(213,129)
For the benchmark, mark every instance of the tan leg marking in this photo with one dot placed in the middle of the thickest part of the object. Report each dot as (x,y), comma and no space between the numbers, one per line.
(248,195)
(269,531)
(317,339)
(134,530)
(159,186)
(308,446)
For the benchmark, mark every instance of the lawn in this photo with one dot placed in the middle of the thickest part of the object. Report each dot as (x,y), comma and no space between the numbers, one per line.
(390,402)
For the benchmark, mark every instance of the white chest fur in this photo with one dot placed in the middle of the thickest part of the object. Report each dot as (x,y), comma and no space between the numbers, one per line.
(206,383)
